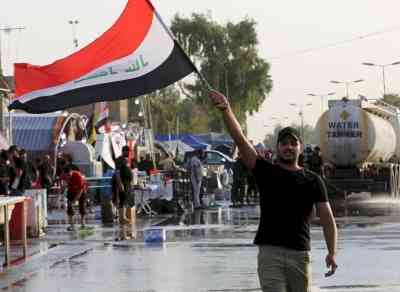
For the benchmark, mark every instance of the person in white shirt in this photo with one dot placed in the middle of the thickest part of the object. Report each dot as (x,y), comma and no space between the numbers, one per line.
(196,177)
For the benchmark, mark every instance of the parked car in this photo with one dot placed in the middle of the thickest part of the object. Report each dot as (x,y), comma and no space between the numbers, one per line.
(214,157)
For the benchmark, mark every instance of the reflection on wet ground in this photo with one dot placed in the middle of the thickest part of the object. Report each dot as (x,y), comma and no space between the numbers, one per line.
(212,250)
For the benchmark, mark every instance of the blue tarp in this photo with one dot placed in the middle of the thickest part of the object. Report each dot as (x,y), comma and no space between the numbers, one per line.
(177,146)
(185,138)
(215,139)
(34,133)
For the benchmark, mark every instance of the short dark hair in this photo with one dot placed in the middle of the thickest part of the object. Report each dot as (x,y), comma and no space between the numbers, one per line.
(125,148)
(13,148)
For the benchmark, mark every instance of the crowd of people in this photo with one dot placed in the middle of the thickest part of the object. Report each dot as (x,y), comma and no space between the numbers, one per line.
(244,189)
(18,173)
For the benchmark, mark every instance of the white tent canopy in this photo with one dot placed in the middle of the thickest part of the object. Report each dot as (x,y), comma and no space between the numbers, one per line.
(172,145)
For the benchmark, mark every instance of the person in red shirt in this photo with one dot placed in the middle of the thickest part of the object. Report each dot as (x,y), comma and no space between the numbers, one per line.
(76,192)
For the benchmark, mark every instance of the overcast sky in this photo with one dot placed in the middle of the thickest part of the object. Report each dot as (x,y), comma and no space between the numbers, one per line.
(337,37)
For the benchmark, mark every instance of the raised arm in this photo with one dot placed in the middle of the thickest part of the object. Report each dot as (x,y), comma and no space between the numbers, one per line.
(247,151)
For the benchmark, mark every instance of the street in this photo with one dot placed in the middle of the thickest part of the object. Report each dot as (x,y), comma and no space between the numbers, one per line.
(209,250)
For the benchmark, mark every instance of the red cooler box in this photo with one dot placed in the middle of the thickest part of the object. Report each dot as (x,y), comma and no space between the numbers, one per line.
(16,219)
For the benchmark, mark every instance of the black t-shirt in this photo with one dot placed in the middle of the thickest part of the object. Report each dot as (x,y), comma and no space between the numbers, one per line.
(125,173)
(286,203)
(315,163)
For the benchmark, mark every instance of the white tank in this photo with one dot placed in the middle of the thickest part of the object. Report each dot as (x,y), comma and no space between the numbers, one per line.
(349,135)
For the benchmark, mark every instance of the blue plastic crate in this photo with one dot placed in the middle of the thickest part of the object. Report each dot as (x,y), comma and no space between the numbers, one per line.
(154,235)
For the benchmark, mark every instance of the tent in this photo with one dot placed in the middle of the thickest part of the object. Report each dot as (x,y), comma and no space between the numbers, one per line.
(215,139)
(41,134)
(188,139)
(177,146)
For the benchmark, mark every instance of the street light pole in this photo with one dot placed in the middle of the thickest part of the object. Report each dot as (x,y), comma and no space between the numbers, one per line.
(384,80)
(7,29)
(383,66)
(74,36)
(347,84)
(322,98)
(7,91)
(301,114)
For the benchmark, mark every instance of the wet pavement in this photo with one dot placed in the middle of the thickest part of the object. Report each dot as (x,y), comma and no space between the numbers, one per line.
(209,250)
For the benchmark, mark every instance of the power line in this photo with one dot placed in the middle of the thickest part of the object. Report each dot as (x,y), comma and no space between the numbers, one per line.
(336,44)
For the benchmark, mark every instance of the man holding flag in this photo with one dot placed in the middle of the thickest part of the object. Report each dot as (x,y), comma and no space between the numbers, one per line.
(126,61)
(288,192)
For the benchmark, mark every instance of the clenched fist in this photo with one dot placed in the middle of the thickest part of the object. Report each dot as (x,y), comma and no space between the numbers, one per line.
(219,100)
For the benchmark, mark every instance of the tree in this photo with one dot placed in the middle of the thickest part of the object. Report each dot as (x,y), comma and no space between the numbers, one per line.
(309,134)
(228,58)
(169,113)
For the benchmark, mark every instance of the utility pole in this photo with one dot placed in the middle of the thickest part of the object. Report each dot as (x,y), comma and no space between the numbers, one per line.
(8,30)
(322,98)
(383,66)
(301,115)
(74,23)
(4,83)
(347,84)
(177,126)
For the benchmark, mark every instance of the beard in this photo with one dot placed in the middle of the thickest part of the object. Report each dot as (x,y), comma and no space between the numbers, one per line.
(291,159)
(287,161)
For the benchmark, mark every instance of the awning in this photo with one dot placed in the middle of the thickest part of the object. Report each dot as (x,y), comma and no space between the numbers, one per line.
(34,133)
(39,134)
(190,140)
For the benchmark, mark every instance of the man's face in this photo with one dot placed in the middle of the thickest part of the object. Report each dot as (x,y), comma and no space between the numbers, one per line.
(288,150)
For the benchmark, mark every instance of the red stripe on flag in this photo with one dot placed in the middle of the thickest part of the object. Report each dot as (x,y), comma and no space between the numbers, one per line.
(122,39)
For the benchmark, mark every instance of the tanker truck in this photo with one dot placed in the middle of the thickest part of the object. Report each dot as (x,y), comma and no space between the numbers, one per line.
(360,144)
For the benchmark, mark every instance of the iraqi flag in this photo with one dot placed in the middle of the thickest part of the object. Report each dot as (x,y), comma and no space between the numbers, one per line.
(136,56)
(102,121)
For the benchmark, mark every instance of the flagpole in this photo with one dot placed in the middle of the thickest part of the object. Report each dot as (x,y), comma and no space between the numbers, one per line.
(204,81)
(201,76)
